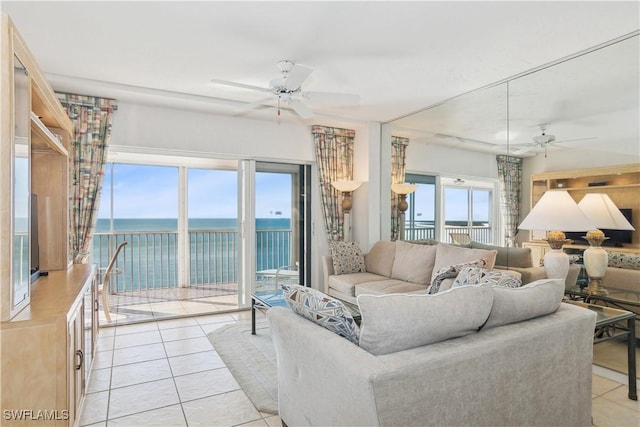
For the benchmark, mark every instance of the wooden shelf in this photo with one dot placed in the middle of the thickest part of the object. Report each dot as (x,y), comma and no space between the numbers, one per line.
(43,139)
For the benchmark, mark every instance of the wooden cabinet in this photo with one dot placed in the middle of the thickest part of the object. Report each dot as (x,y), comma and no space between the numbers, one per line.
(621,183)
(35,134)
(47,350)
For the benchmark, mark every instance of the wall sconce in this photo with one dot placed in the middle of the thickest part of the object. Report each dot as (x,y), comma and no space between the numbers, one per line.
(346,187)
(556,210)
(402,189)
(602,213)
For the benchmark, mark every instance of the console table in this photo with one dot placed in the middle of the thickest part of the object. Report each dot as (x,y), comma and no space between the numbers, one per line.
(622,299)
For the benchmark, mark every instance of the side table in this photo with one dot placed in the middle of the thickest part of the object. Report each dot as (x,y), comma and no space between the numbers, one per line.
(607,318)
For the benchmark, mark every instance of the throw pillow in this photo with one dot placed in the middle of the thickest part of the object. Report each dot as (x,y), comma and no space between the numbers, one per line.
(624,260)
(380,258)
(396,322)
(535,299)
(451,271)
(322,309)
(472,275)
(413,263)
(450,255)
(347,257)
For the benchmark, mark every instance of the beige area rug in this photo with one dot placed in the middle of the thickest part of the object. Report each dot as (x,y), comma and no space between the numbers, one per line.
(252,361)
(612,354)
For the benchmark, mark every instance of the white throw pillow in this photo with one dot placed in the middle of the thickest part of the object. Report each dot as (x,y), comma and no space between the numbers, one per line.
(396,322)
(535,299)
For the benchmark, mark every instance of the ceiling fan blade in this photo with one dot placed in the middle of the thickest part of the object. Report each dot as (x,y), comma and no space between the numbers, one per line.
(332,98)
(252,106)
(297,75)
(575,140)
(300,109)
(240,85)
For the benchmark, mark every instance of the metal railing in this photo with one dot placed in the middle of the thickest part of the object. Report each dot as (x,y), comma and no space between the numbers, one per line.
(477,233)
(150,260)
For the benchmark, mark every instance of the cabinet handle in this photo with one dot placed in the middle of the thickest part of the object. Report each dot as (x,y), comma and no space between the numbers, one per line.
(80,356)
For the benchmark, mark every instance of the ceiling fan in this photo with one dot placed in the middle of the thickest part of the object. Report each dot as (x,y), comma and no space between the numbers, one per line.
(287,89)
(544,140)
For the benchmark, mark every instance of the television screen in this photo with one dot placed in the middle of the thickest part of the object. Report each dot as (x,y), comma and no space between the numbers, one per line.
(615,237)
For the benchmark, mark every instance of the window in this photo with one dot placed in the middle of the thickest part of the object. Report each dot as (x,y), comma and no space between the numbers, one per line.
(468,209)
(420,217)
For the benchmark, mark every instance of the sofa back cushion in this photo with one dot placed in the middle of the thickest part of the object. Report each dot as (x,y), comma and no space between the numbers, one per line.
(380,258)
(396,322)
(447,255)
(508,257)
(413,263)
(511,305)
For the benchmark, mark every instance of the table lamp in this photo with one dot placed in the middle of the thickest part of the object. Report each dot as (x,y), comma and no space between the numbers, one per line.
(346,187)
(556,211)
(402,189)
(602,213)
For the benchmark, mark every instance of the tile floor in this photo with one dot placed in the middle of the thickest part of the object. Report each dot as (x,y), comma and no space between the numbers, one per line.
(166,373)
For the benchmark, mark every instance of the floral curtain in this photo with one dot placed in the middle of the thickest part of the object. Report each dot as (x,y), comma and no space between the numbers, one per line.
(510,176)
(398,154)
(334,156)
(91,119)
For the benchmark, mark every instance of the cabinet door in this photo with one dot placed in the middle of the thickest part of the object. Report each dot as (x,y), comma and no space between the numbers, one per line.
(76,363)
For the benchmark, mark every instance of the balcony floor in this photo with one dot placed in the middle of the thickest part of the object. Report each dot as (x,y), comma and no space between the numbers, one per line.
(159,304)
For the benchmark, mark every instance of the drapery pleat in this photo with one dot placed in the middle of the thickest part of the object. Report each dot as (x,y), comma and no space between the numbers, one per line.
(91,118)
(398,154)
(510,177)
(334,157)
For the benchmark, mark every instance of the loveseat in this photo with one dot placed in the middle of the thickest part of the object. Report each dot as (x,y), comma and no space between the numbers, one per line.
(420,360)
(411,267)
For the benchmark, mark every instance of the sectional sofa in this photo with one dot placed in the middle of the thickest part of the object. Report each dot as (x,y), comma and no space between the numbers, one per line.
(409,267)
(470,355)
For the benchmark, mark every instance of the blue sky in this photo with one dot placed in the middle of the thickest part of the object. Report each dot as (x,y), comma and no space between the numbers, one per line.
(152,192)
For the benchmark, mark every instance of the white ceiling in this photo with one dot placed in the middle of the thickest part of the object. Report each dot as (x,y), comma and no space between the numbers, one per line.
(398,56)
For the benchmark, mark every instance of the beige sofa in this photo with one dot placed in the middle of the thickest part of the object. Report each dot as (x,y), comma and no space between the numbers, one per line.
(415,365)
(410,267)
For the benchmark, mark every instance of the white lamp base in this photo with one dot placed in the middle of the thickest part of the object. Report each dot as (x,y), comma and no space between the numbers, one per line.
(596,261)
(556,264)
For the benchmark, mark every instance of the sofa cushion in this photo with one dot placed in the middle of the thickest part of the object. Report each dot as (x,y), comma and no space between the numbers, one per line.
(450,272)
(321,309)
(451,255)
(347,257)
(391,286)
(511,305)
(397,322)
(472,275)
(413,263)
(508,257)
(346,283)
(380,258)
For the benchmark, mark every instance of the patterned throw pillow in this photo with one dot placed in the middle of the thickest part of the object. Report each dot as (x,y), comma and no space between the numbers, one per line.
(452,271)
(478,276)
(624,260)
(323,310)
(347,257)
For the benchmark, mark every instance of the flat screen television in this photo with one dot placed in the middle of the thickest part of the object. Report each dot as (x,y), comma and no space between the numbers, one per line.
(615,237)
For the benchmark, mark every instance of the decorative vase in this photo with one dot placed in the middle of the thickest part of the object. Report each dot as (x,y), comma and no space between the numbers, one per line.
(596,261)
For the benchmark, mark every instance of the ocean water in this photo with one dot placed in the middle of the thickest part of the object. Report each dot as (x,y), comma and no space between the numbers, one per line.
(149,260)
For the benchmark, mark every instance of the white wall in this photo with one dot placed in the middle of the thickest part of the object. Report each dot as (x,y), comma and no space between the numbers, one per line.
(441,160)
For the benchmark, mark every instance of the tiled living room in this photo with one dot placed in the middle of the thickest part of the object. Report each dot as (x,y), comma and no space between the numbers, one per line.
(397,124)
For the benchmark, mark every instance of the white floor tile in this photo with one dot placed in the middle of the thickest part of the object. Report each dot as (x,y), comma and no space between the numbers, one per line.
(141,372)
(227,409)
(142,397)
(196,362)
(141,338)
(188,346)
(138,353)
(203,384)
(182,333)
(169,416)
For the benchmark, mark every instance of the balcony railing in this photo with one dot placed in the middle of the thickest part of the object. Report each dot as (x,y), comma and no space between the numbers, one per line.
(150,259)
(481,234)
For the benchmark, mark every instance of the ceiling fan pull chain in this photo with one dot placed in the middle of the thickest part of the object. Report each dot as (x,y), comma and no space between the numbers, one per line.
(278,105)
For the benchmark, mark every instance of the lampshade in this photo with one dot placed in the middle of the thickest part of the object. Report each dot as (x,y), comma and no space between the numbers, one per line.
(603,213)
(556,210)
(402,188)
(346,186)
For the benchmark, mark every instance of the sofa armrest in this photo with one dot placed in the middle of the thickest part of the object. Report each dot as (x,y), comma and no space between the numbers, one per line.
(327,270)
